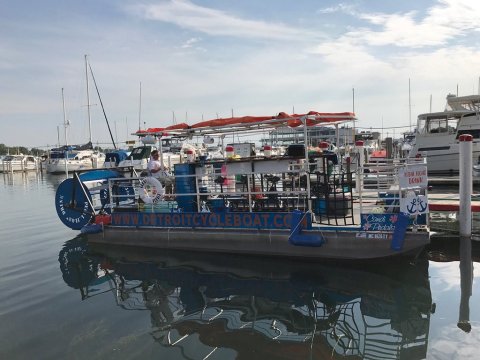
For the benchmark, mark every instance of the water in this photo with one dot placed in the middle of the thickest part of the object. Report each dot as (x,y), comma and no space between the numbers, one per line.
(61,300)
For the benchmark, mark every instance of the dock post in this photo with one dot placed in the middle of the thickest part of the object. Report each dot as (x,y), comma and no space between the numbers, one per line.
(361,162)
(465,185)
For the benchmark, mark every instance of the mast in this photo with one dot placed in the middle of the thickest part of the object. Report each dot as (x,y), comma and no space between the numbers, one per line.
(140,108)
(88,102)
(65,124)
(65,121)
(353,110)
(103,109)
(409,107)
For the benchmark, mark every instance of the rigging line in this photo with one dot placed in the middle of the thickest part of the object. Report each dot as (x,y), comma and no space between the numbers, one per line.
(103,109)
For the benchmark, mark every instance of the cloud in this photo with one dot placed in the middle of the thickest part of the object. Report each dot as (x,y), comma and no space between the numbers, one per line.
(190,43)
(443,22)
(187,15)
(447,20)
(344,8)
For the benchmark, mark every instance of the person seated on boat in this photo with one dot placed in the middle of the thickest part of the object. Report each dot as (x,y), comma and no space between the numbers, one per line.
(157,170)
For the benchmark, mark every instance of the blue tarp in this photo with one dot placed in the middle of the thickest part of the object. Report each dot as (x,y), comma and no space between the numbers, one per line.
(116,156)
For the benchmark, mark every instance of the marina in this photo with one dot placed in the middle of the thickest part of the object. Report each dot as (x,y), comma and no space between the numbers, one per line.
(240,180)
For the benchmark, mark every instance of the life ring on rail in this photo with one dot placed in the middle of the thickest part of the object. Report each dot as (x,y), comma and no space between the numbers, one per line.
(151,190)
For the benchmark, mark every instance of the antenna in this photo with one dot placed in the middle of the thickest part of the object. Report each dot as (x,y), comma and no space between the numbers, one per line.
(430,102)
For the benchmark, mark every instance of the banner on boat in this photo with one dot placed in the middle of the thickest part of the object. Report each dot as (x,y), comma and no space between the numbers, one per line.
(208,220)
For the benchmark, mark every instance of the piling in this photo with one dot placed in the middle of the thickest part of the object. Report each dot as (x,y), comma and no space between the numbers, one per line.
(465,185)
(361,162)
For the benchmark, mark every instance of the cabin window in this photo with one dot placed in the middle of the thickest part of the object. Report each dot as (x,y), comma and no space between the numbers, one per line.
(436,126)
(474,132)
(452,125)
(421,126)
(140,153)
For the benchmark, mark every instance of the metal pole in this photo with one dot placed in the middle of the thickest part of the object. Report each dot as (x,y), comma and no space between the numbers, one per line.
(359,175)
(307,164)
(465,186)
(65,124)
(88,101)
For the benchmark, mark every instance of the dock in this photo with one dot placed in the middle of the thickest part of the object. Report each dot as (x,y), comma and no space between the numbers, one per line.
(450,181)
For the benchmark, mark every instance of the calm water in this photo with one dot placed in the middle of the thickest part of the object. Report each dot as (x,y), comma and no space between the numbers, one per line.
(61,300)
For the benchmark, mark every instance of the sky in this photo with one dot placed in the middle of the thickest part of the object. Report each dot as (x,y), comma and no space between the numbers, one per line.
(157,62)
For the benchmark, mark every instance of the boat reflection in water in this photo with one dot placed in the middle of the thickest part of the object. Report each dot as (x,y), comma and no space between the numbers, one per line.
(242,306)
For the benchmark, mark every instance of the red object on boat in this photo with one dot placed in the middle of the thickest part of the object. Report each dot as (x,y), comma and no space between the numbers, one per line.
(323,145)
(379,154)
(450,207)
(359,143)
(180,126)
(103,219)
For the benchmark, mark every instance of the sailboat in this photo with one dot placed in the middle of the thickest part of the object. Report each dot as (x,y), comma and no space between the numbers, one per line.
(75,157)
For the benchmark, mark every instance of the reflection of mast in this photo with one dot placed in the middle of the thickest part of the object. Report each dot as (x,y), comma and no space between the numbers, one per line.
(466,279)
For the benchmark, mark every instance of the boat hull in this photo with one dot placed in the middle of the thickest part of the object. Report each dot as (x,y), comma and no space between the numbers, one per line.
(337,244)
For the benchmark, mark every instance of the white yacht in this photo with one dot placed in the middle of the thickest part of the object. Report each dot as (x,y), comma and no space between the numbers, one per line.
(73,158)
(476,168)
(437,134)
(14,163)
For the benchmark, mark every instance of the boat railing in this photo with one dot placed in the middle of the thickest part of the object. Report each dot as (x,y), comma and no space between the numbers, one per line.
(380,189)
(332,195)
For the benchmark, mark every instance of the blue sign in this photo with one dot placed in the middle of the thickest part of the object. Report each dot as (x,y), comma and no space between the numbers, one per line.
(379,222)
(208,220)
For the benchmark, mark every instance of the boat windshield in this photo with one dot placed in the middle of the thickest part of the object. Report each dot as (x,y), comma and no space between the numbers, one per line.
(438,124)
(140,153)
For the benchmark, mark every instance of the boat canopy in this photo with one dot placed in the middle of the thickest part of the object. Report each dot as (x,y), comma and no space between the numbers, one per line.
(282,119)
(116,156)
(87,146)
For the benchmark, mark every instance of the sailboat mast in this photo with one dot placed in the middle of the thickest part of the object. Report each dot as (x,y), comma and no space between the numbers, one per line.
(140,108)
(88,101)
(65,121)
(409,107)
